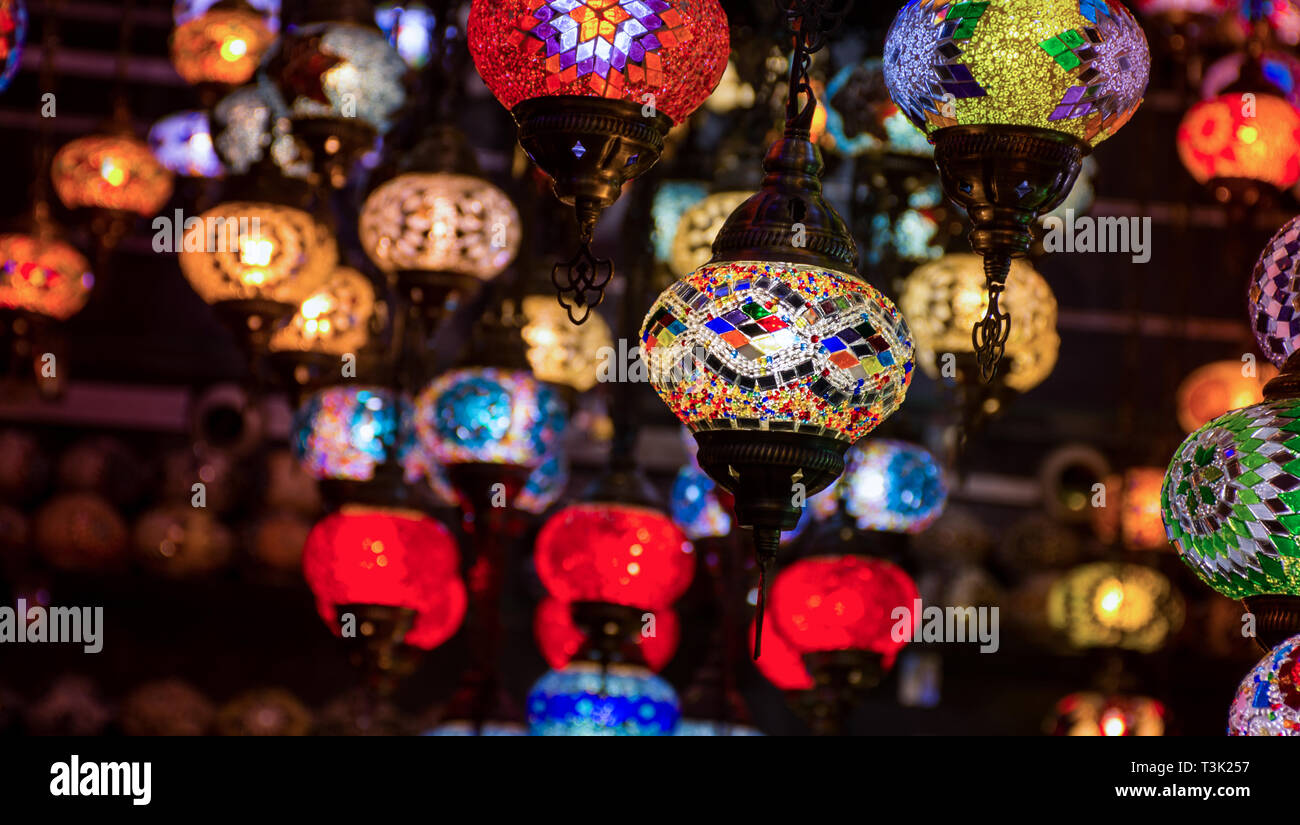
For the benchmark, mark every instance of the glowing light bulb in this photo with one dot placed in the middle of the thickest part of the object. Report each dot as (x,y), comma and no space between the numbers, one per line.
(111,171)
(1111,598)
(256,251)
(1247,134)
(316,306)
(233,49)
(1112,724)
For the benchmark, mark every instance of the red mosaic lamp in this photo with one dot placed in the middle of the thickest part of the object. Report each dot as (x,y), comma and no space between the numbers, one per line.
(595,85)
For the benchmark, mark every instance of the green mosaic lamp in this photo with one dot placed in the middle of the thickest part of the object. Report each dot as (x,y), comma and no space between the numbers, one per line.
(1231,503)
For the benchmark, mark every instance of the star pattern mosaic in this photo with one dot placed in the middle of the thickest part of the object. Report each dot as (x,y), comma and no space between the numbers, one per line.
(1231,501)
(607,41)
(1275,294)
(1077,66)
(777,346)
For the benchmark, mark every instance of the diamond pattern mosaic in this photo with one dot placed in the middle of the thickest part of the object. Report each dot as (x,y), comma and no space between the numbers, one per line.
(1231,500)
(1268,699)
(777,346)
(675,50)
(1075,66)
(1275,294)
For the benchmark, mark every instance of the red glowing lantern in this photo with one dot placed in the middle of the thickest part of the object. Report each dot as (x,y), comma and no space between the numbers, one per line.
(832,603)
(388,558)
(780,663)
(1234,137)
(560,639)
(614,553)
(673,51)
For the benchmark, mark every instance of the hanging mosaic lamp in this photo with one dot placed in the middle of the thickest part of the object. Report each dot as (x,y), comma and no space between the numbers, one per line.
(1220,387)
(1013,94)
(1107,604)
(115,173)
(595,85)
(1130,516)
(1094,714)
(775,354)
(892,486)
(440,226)
(334,321)
(42,275)
(182,142)
(559,639)
(13,33)
(1268,700)
(340,84)
(222,46)
(245,132)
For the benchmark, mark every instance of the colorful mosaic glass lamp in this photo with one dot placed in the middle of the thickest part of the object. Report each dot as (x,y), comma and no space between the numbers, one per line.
(1231,495)
(595,85)
(775,354)
(1013,94)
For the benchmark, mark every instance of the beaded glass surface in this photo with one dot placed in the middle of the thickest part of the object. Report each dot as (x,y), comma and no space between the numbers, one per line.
(1230,137)
(1268,700)
(440,222)
(892,486)
(777,346)
(110,172)
(1274,294)
(584,700)
(258,250)
(946,298)
(47,277)
(347,432)
(333,320)
(1073,66)
(487,415)
(183,143)
(341,70)
(674,51)
(1231,501)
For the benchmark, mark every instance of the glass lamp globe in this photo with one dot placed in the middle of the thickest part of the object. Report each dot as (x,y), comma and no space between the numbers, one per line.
(1224,140)
(183,11)
(1279,68)
(560,351)
(245,131)
(943,299)
(544,485)
(822,604)
(1093,714)
(781,664)
(1132,512)
(440,222)
(385,557)
(1071,66)
(409,28)
(692,245)
(1219,387)
(615,554)
(1230,501)
(260,252)
(892,486)
(490,416)
(560,639)
(695,505)
(112,172)
(222,46)
(346,433)
(673,50)
(13,34)
(671,201)
(1268,700)
(43,275)
(1108,604)
(333,320)
(779,347)
(861,119)
(182,142)
(584,699)
(1274,297)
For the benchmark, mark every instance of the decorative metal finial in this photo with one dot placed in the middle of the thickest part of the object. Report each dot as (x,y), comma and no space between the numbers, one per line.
(991,333)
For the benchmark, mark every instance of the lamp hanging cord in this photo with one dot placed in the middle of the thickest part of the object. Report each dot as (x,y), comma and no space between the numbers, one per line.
(808,21)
